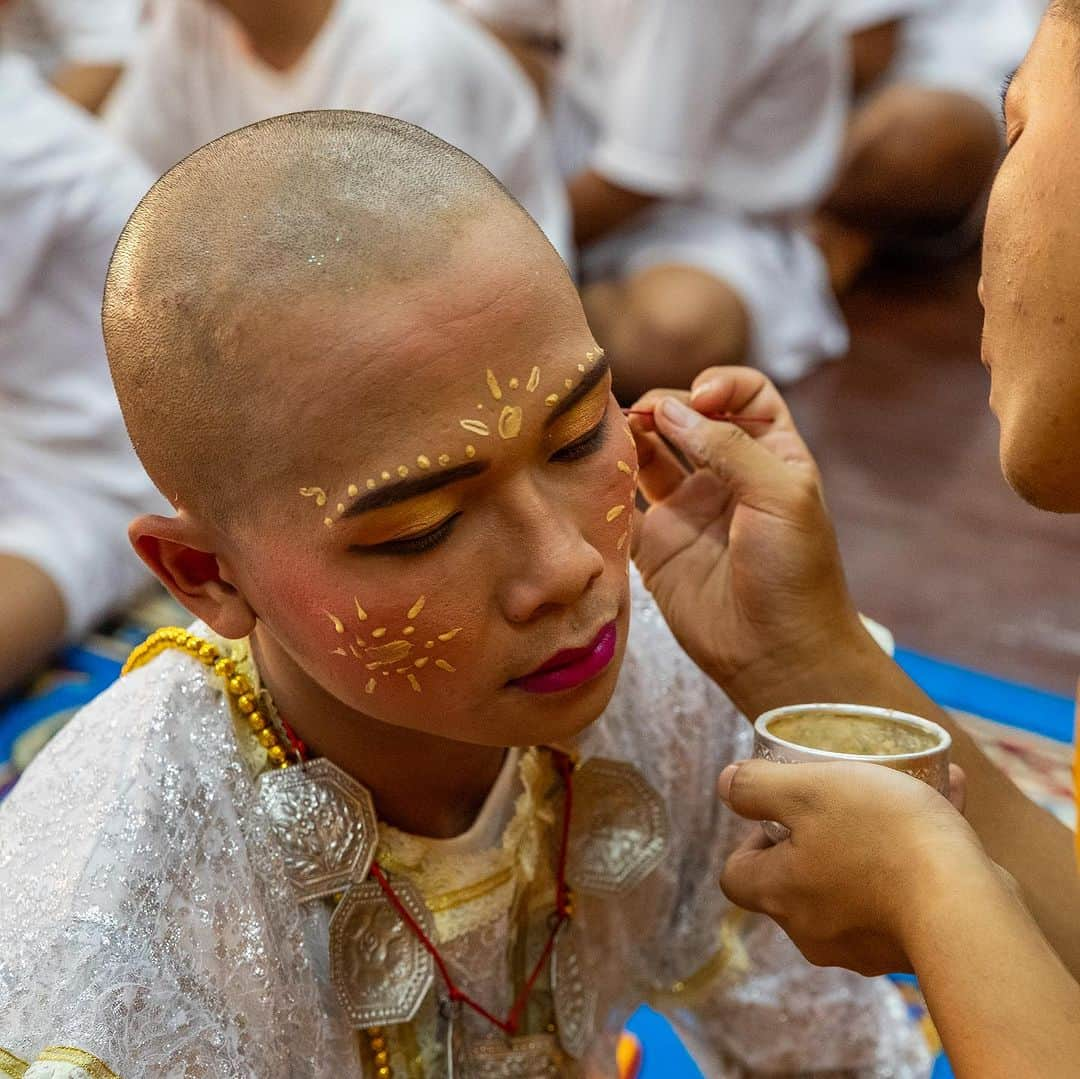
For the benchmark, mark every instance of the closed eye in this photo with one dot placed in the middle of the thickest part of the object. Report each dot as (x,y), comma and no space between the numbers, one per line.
(414,544)
(589,443)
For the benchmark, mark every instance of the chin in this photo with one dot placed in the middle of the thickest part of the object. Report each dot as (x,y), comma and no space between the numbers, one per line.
(1043,488)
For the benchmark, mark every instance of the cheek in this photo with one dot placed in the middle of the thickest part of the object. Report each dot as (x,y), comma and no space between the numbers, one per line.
(609,507)
(380,646)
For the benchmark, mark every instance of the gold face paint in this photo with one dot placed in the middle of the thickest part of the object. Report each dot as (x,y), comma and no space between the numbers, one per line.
(353,490)
(416,608)
(622,541)
(444,459)
(386,475)
(370,485)
(510,422)
(361,614)
(339,626)
(378,633)
(444,666)
(624,467)
(402,470)
(568,383)
(328,521)
(551,399)
(413,682)
(422,462)
(534,380)
(314,492)
(581,368)
(341,507)
(421,662)
(470,451)
(386,655)
(615,512)
(476,427)
(370,687)
(493,385)
(450,635)
(339,652)
(408,631)
(514,383)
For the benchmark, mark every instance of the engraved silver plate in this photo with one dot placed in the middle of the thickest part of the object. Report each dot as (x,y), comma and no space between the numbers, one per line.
(325,822)
(575,999)
(529,1056)
(619,830)
(380,969)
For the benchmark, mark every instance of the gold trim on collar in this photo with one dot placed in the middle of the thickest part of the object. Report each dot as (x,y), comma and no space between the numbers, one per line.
(66,1054)
(11,1065)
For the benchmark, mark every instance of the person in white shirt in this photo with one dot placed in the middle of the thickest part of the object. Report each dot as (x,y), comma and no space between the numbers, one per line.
(80,47)
(926,134)
(207,67)
(695,136)
(69,481)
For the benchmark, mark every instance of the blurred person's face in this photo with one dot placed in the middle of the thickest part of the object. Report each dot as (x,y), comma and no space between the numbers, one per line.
(1031,275)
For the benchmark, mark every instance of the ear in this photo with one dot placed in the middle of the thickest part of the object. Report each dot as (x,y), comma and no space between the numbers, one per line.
(182,557)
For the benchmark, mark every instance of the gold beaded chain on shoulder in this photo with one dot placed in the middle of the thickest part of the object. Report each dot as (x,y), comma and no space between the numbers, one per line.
(240,691)
(242,697)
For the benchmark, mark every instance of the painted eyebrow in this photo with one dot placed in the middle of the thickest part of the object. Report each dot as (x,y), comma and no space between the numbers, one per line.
(592,378)
(403,490)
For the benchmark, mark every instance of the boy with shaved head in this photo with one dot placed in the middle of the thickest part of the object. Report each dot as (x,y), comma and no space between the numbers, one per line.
(428,788)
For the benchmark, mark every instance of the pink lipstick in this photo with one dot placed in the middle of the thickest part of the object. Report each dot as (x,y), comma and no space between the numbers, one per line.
(572,667)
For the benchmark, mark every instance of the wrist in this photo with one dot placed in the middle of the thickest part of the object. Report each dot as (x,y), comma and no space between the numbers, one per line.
(841,662)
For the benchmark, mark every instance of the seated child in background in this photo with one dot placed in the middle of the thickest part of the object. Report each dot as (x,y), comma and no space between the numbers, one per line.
(81,48)
(69,482)
(925,136)
(695,137)
(206,67)
(402,495)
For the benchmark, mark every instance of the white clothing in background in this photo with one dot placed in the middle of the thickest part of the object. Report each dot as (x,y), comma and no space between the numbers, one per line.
(968,46)
(733,113)
(50,32)
(195,78)
(69,480)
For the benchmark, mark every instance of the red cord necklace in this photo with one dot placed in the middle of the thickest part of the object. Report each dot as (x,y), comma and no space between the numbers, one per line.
(563,906)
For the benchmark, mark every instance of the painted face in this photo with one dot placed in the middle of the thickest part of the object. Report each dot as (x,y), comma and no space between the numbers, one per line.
(450,553)
(1031,270)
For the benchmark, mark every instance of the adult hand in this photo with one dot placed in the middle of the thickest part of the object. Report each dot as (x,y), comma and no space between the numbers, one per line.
(871,851)
(738,548)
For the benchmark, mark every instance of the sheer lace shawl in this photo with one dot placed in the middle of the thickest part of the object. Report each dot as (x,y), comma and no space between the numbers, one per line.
(146,917)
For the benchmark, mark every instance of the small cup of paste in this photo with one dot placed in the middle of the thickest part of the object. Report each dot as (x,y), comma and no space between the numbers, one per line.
(809,733)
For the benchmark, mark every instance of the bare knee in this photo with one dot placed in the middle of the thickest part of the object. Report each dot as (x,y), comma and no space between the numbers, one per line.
(34,616)
(916,154)
(675,323)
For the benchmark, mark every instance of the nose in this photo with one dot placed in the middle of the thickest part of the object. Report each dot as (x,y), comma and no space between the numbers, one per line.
(552,566)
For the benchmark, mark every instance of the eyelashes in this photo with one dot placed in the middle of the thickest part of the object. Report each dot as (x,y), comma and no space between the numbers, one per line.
(588,444)
(585,446)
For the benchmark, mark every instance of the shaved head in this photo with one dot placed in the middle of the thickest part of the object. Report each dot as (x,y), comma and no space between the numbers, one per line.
(310,209)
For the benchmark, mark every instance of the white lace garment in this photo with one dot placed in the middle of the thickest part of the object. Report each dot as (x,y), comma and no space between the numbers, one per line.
(145,916)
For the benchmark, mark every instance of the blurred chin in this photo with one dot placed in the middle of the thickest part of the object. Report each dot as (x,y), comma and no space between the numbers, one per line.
(1046,485)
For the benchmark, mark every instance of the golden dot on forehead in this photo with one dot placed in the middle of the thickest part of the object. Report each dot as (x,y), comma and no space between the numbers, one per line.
(370,485)
(421,662)
(386,475)
(370,687)
(353,490)
(568,382)
(534,379)
(476,427)
(413,682)
(470,451)
(624,467)
(514,383)
(581,368)
(314,492)
(551,399)
(422,462)
(444,459)
(328,521)
(429,644)
(341,507)
(402,470)
(380,632)
(408,631)
(444,666)
(416,608)
(614,512)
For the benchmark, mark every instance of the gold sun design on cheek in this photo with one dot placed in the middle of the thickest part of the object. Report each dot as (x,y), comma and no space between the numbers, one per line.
(396,655)
(619,511)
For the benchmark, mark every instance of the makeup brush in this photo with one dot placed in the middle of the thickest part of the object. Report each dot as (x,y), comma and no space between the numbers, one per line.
(727,417)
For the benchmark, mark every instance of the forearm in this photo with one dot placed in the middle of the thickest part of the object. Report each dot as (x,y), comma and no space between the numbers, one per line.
(599,206)
(999,996)
(1017,834)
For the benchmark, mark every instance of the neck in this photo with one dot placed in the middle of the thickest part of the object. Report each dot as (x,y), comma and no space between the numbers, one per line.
(280,31)
(420,783)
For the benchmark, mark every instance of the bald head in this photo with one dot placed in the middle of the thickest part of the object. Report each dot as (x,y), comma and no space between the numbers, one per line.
(308,208)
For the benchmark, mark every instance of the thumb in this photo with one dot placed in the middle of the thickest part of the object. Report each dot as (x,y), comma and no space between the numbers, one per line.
(764,790)
(738,461)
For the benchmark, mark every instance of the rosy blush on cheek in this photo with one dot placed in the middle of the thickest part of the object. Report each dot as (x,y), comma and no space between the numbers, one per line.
(406,646)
